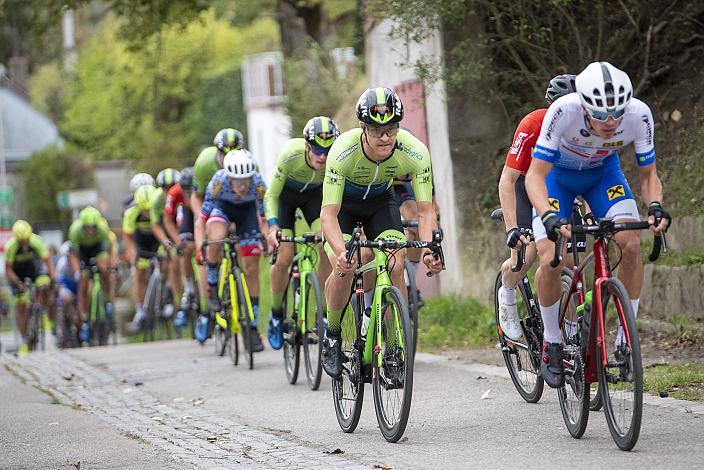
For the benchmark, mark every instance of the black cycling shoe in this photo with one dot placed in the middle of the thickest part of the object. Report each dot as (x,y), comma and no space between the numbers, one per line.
(256,340)
(393,369)
(551,367)
(332,350)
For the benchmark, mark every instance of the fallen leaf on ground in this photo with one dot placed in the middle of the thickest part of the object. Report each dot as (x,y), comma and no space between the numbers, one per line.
(212,438)
(68,375)
(485,395)
(158,419)
(198,402)
(383,466)
(403,439)
(481,377)
(336,451)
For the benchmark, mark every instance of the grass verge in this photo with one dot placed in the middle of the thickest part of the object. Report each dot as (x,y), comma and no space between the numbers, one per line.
(684,381)
(453,322)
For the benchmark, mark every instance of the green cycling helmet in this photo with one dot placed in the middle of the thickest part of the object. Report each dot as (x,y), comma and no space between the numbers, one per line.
(379,106)
(143,197)
(90,216)
(22,230)
(321,132)
(167,178)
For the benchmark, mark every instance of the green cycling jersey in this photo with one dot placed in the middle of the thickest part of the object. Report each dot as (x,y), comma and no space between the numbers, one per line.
(204,169)
(157,204)
(293,172)
(351,173)
(15,253)
(79,237)
(137,220)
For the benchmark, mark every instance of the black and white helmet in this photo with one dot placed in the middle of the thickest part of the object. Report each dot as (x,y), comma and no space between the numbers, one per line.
(560,86)
(239,164)
(141,179)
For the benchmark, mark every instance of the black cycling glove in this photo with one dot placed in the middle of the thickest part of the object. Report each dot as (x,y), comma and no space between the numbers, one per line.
(655,209)
(552,225)
(513,236)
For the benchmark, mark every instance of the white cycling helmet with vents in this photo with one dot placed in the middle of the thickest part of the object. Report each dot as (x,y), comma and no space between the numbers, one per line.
(239,164)
(604,90)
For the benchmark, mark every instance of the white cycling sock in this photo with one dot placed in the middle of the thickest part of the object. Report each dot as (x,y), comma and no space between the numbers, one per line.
(634,305)
(551,322)
(368,297)
(619,333)
(508,294)
(190,285)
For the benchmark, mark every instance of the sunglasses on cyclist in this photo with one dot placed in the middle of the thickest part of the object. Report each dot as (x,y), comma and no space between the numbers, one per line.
(377,131)
(320,151)
(603,116)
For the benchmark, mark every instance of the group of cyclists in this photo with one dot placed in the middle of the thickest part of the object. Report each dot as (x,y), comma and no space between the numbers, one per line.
(374,175)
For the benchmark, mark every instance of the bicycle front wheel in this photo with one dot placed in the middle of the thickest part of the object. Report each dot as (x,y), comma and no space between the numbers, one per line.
(348,389)
(393,366)
(521,356)
(292,344)
(246,328)
(620,370)
(313,337)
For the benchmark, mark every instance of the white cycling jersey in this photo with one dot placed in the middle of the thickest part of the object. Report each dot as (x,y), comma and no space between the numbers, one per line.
(566,142)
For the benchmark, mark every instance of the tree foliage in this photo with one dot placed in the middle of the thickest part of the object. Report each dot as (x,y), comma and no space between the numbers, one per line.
(47,173)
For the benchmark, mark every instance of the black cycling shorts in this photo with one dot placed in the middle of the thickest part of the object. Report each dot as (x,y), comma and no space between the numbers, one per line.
(376,214)
(85,253)
(309,202)
(147,244)
(245,216)
(185,230)
(524,209)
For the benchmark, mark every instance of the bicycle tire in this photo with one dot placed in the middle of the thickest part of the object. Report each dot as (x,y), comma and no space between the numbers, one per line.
(595,402)
(413,301)
(574,394)
(521,361)
(222,335)
(626,362)
(103,330)
(246,328)
(33,327)
(348,389)
(385,379)
(149,322)
(166,298)
(292,344)
(313,337)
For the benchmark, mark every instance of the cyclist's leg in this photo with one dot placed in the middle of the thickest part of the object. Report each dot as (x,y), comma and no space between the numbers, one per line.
(215,229)
(409,211)
(174,275)
(21,309)
(247,226)
(185,233)
(337,289)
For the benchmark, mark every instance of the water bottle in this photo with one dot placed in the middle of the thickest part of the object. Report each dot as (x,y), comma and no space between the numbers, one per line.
(365,320)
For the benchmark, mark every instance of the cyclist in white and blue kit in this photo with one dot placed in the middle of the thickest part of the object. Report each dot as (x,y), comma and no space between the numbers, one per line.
(577,154)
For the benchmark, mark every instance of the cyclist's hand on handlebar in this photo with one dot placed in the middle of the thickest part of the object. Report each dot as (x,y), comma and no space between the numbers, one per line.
(341,266)
(273,242)
(554,226)
(658,218)
(514,238)
(433,265)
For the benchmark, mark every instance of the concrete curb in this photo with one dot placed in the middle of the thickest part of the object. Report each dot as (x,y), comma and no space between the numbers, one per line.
(684,406)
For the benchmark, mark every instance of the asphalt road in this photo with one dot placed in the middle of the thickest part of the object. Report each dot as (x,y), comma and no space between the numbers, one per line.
(198,410)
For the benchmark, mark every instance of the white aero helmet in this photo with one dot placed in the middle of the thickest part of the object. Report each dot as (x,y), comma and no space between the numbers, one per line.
(239,164)
(141,179)
(604,90)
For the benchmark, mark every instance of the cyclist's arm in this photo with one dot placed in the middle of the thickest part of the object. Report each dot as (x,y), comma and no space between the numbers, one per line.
(174,198)
(73,259)
(129,226)
(271,199)
(11,275)
(535,185)
(331,228)
(160,234)
(171,228)
(51,267)
(507,196)
(198,224)
(650,184)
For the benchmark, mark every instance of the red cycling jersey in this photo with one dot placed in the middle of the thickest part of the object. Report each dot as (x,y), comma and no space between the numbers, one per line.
(175,198)
(519,155)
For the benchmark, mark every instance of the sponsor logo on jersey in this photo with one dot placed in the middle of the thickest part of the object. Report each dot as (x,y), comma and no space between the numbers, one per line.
(347,153)
(517,144)
(411,152)
(584,132)
(331,176)
(217,187)
(648,129)
(615,192)
(602,152)
(618,143)
(553,122)
(554,204)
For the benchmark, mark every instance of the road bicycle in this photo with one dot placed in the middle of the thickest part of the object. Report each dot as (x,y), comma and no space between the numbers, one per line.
(102,329)
(303,308)
(67,324)
(36,330)
(236,314)
(604,346)
(378,348)
(158,299)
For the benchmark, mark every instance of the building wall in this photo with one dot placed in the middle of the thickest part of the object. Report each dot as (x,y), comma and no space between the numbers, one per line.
(268,128)
(112,182)
(390,62)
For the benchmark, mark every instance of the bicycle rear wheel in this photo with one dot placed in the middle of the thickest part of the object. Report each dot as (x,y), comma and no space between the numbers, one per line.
(620,371)
(246,328)
(313,338)
(150,308)
(521,356)
(292,344)
(393,378)
(348,390)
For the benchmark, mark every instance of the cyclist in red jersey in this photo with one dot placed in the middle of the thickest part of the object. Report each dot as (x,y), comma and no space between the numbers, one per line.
(516,206)
(178,221)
